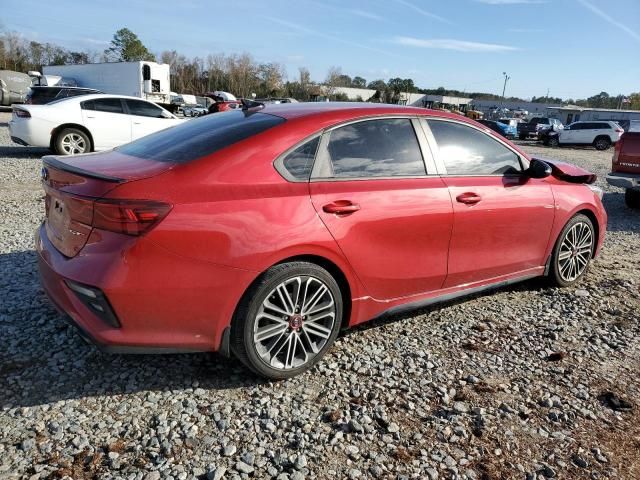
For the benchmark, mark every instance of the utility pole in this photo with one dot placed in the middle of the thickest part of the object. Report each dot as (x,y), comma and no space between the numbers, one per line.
(504,87)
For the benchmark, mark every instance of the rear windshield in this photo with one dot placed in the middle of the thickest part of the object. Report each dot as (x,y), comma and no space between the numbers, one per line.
(196,138)
(42,95)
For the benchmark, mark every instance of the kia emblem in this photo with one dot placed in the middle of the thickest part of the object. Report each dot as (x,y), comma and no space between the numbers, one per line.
(44,174)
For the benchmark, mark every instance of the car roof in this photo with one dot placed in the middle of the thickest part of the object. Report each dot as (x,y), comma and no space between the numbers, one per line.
(345,110)
(96,96)
(46,87)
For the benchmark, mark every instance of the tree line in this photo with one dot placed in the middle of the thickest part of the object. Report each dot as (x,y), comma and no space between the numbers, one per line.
(242,75)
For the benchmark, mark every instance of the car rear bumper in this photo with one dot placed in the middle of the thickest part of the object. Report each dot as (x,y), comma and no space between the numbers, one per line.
(164,303)
(624,180)
(22,134)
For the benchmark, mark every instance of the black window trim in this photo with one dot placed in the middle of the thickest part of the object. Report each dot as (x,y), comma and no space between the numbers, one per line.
(425,150)
(440,166)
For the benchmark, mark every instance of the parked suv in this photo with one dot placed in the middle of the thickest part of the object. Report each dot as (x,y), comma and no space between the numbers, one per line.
(625,168)
(537,124)
(43,95)
(599,134)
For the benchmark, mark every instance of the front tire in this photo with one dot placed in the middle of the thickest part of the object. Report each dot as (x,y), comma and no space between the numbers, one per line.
(553,142)
(602,143)
(287,320)
(632,198)
(72,141)
(573,251)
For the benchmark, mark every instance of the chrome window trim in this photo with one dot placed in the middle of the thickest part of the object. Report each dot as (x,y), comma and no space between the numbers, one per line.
(322,161)
(442,169)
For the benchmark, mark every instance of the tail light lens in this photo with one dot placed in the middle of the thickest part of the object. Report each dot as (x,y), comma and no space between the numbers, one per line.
(619,130)
(616,152)
(131,217)
(21,113)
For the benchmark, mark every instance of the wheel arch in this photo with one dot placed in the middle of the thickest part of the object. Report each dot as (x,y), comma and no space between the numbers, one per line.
(596,225)
(59,128)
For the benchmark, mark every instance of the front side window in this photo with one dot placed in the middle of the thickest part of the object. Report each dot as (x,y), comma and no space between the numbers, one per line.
(467,151)
(374,148)
(144,109)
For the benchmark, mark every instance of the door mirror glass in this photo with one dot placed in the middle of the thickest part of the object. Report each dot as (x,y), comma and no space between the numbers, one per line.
(538,169)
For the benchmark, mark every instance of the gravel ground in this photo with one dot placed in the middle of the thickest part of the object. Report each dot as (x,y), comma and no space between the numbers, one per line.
(529,382)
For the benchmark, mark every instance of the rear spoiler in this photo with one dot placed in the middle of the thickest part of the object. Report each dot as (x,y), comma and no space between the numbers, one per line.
(53,162)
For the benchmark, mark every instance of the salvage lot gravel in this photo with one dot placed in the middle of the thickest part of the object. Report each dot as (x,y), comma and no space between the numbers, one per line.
(526,382)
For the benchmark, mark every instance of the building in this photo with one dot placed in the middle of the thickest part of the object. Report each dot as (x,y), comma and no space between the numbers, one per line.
(435,101)
(572,113)
(532,109)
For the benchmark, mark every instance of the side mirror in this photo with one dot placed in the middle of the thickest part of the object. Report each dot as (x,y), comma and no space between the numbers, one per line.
(538,169)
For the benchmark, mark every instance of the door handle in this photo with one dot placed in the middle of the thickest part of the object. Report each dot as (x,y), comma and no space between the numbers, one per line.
(136,123)
(469,198)
(89,116)
(341,207)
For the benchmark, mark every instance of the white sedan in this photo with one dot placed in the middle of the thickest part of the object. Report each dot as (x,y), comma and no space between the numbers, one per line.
(87,123)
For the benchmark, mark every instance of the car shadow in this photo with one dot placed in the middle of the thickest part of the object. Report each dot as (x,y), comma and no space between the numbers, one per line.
(44,360)
(23,152)
(621,218)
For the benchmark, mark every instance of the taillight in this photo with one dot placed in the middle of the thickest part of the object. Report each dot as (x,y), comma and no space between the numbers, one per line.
(21,113)
(619,130)
(616,151)
(131,217)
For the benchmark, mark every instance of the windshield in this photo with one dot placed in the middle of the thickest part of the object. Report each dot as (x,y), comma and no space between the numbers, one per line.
(203,136)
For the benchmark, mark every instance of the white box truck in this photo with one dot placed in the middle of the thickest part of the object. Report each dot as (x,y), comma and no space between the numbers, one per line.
(148,80)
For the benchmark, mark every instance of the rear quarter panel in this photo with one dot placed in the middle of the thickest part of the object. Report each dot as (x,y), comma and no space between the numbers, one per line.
(232,208)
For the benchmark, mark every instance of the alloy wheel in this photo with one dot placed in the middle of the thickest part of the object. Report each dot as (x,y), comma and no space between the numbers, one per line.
(294,322)
(73,144)
(575,251)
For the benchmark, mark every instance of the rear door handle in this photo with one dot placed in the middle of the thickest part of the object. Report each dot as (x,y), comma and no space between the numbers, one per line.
(341,207)
(469,198)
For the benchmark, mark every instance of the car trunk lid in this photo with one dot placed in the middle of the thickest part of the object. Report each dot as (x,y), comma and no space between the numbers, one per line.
(72,186)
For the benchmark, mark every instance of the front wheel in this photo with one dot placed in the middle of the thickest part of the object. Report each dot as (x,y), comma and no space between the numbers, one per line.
(573,251)
(287,320)
(553,142)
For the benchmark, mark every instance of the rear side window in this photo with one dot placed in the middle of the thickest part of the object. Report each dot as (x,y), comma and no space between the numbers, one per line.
(375,148)
(110,105)
(467,151)
(196,138)
(297,164)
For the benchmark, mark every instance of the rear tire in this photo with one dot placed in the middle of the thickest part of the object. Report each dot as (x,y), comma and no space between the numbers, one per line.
(602,143)
(287,320)
(573,252)
(72,141)
(632,198)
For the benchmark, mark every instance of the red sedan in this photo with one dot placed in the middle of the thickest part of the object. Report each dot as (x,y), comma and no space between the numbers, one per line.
(261,233)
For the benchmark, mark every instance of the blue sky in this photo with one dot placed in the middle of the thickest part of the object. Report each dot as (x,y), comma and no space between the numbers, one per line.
(573,48)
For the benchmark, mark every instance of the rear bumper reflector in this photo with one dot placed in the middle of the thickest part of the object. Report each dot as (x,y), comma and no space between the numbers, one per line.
(95,300)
